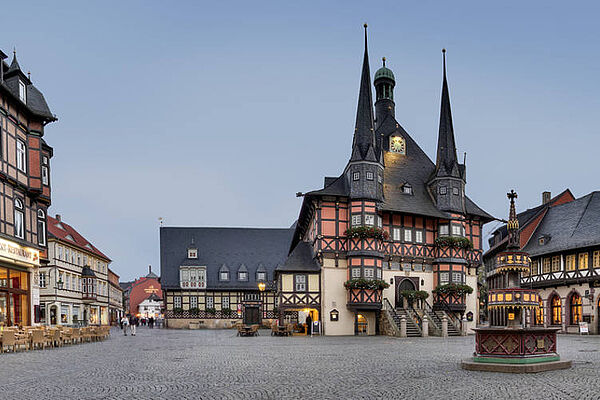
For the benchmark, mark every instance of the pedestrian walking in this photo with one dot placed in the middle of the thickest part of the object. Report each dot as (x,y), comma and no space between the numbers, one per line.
(133,323)
(151,322)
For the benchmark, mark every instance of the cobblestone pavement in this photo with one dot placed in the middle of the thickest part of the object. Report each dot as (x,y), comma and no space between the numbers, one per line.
(207,364)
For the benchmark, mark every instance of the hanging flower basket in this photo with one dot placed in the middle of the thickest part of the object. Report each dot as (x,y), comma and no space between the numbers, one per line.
(361,283)
(453,241)
(453,288)
(412,295)
(363,232)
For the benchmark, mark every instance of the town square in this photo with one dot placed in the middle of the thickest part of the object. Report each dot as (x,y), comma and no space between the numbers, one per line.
(324,200)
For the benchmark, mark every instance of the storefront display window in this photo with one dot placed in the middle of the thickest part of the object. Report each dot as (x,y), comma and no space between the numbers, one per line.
(64,314)
(14,297)
(94,315)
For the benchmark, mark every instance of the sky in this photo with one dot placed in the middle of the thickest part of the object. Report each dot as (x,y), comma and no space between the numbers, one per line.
(217,113)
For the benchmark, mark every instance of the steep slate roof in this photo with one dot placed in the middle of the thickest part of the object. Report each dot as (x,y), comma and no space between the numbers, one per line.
(301,259)
(65,232)
(571,225)
(232,247)
(36,103)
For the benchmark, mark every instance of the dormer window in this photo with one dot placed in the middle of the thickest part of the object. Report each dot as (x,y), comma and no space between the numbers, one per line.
(407,188)
(261,276)
(370,176)
(23,92)
(356,176)
(192,253)
(242,276)
(442,189)
(224,275)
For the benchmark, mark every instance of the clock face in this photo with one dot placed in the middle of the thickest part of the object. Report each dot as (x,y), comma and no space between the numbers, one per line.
(397,145)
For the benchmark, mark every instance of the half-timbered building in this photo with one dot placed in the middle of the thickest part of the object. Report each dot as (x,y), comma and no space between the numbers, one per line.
(392,218)
(24,193)
(216,277)
(565,254)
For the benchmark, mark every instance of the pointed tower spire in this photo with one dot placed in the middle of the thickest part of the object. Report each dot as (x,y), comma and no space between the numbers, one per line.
(363,145)
(446,161)
(513,223)
(14,65)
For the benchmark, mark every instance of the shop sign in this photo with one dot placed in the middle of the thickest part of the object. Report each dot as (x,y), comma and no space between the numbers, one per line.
(511,316)
(19,253)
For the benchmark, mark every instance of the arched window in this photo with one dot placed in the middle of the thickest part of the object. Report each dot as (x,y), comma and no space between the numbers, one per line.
(19,219)
(576,309)
(41,227)
(539,314)
(555,310)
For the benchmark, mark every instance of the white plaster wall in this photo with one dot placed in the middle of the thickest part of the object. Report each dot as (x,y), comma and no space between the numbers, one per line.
(334,296)
(424,277)
(472,303)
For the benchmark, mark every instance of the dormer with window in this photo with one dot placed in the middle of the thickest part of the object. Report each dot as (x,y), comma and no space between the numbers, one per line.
(192,277)
(192,253)
(261,273)
(224,273)
(242,274)
(407,188)
(22,91)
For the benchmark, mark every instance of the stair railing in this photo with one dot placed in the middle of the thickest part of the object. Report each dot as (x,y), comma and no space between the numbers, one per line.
(415,316)
(452,319)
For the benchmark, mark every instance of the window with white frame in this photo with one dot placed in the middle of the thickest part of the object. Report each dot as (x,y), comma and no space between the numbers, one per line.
(177,302)
(443,230)
(42,279)
(356,272)
(19,219)
(369,273)
(21,159)
(379,273)
(22,92)
(261,276)
(45,171)
(210,302)
(192,253)
(224,275)
(419,236)
(193,301)
(457,230)
(225,302)
(369,219)
(407,235)
(370,176)
(356,220)
(457,277)
(444,277)
(60,252)
(192,277)
(379,221)
(396,234)
(242,276)
(356,176)
(300,281)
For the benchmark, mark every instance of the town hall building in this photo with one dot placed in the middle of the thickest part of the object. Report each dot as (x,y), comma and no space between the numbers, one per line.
(394,235)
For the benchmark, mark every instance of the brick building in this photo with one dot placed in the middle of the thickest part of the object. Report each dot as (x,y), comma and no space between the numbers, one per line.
(24,193)
(139,290)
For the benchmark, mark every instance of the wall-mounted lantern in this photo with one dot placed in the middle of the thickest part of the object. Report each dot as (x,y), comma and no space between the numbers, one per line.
(334,315)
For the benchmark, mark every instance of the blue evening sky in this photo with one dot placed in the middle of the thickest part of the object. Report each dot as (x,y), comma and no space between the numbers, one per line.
(216,113)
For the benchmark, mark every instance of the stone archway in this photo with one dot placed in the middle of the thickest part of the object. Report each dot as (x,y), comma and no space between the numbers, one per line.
(404,283)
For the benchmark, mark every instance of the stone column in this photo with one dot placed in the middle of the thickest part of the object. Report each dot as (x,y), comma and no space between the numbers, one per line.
(425,331)
(444,326)
(403,326)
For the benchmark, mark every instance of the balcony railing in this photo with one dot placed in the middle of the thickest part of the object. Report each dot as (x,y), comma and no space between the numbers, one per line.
(364,299)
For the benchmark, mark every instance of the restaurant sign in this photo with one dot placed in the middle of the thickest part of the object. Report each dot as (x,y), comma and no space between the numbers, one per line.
(17,252)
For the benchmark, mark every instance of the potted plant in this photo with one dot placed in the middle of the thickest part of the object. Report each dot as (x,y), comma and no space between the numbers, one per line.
(361,283)
(194,311)
(211,310)
(178,310)
(454,288)
(454,241)
(363,232)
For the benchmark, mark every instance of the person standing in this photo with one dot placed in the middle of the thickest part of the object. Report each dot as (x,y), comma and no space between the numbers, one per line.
(308,325)
(151,322)
(133,322)
(124,324)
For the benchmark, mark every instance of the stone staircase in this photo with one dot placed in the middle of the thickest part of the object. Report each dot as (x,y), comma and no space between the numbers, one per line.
(412,329)
(435,316)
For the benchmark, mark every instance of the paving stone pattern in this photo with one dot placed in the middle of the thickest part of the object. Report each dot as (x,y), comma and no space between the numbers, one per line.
(216,364)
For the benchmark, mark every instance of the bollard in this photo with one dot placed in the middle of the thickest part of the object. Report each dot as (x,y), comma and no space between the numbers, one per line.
(403,326)
(444,326)
(463,326)
(425,331)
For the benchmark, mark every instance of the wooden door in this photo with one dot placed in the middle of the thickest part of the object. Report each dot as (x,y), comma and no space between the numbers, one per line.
(251,315)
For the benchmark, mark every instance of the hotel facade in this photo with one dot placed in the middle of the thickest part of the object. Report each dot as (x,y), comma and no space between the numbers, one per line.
(394,236)
(24,194)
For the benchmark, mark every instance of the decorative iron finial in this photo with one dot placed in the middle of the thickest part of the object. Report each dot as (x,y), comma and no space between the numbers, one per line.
(365,25)
(15,51)
(383,59)
(29,75)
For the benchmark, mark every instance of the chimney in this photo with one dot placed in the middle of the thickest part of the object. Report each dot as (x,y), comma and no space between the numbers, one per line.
(149,269)
(546,197)
(57,216)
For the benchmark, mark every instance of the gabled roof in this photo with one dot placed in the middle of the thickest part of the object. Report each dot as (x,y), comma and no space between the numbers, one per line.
(571,225)
(301,259)
(237,248)
(62,231)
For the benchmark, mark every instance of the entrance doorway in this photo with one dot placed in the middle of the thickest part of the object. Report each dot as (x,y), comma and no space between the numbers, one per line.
(405,284)
(53,313)
(362,325)
(251,315)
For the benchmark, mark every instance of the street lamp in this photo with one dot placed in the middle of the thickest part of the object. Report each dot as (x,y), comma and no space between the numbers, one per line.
(261,286)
